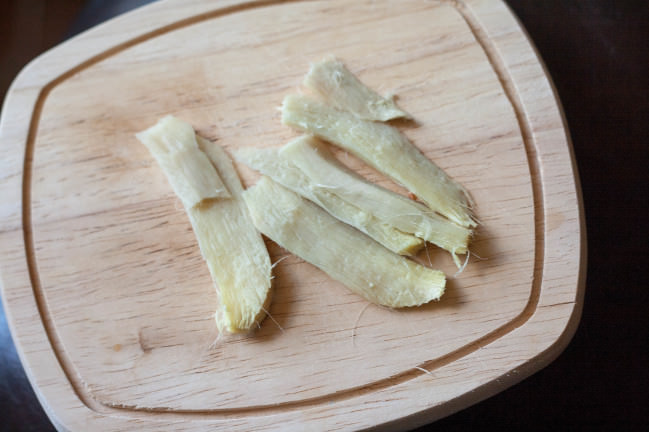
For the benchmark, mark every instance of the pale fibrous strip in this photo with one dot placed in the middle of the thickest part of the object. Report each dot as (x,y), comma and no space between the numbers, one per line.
(269,162)
(236,254)
(332,81)
(233,249)
(315,160)
(172,142)
(344,253)
(384,148)
(307,167)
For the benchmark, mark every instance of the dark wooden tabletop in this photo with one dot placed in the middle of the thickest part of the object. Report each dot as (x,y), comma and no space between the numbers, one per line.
(597,52)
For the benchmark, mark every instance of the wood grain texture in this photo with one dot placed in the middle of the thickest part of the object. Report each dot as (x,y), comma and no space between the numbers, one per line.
(109,300)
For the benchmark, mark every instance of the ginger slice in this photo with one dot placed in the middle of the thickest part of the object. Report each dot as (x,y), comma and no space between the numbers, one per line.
(323,169)
(364,266)
(233,249)
(282,170)
(384,148)
(307,167)
(339,87)
(172,143)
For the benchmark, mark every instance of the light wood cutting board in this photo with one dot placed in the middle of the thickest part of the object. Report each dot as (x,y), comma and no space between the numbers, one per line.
(110,303)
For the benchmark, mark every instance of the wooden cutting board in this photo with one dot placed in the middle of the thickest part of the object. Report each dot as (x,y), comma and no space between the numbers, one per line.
(110,303)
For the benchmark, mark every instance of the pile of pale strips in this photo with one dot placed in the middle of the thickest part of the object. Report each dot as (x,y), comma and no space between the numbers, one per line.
(314,206)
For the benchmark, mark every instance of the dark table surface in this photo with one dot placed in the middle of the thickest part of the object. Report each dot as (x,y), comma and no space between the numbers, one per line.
(597,52)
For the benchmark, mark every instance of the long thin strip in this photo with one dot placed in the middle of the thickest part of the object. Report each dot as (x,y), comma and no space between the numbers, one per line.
(269,162)
(233,249)
(172,142)
(345,254)
(386,149)
(323,169)
(339,87)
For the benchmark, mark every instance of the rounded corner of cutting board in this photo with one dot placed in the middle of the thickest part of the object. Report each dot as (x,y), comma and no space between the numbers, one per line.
(488,16)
